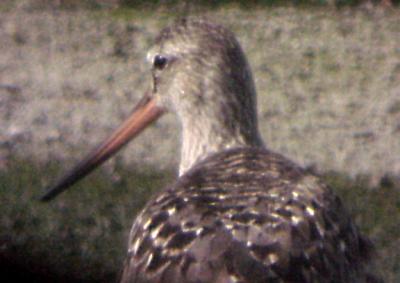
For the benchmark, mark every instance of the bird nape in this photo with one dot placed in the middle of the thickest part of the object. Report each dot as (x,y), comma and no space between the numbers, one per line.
(238,212)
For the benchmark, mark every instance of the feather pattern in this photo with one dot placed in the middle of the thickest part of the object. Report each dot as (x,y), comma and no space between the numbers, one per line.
(245,215)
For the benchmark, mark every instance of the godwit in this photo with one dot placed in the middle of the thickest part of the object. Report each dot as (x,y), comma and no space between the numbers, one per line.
(238,211)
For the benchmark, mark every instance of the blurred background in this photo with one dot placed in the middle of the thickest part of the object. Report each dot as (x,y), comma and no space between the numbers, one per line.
(328,80)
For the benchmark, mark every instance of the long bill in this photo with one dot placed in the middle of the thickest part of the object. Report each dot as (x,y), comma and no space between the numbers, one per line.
(145,112)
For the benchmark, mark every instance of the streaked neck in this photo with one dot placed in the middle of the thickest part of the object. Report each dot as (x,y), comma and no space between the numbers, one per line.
(200,139)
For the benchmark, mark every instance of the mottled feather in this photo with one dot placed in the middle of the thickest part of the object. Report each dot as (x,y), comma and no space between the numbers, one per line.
(245,215)
(238,212)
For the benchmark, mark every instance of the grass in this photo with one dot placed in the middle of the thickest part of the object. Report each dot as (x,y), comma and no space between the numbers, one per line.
(377,212)
(86,228)
(328,84)
(323,76)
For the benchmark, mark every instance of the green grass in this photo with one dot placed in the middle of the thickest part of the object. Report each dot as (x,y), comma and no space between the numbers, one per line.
(84,229)
(87,227)
(377,212)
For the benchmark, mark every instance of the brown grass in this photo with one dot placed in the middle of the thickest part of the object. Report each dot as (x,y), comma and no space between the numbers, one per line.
(328,83)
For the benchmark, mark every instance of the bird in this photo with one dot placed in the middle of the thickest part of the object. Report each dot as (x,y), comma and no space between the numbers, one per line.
(238,211)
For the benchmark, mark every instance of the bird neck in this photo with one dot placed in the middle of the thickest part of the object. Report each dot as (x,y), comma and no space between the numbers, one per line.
(217,111)
(200,139)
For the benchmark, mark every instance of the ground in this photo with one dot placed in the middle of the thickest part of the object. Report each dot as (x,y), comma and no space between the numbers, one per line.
(329,98)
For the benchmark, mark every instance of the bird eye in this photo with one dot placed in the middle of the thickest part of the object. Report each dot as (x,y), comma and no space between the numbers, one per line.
(159,62)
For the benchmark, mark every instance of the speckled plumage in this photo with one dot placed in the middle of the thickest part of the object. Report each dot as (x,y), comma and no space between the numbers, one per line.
(242,213)
(238,212)
(245,215)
